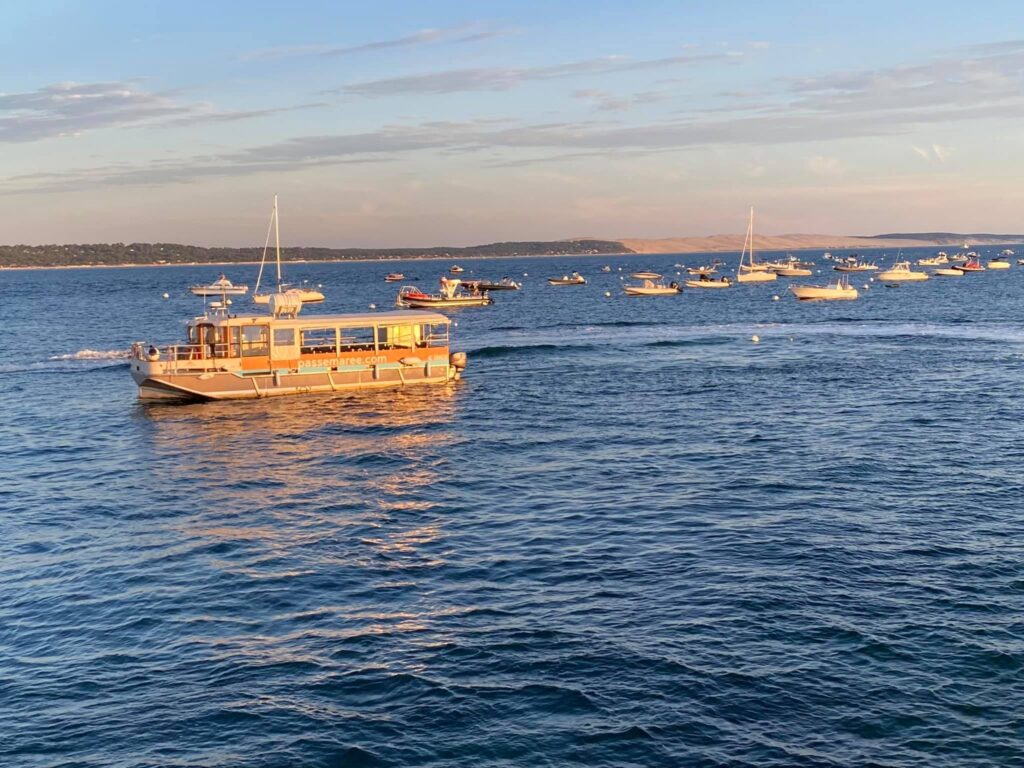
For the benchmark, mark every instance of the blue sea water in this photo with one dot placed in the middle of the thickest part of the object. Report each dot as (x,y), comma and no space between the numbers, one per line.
(629,537)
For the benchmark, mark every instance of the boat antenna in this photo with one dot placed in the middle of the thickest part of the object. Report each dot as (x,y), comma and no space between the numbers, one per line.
(266,244)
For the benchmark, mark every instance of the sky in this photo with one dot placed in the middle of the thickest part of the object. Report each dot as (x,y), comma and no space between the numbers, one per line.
(389,124)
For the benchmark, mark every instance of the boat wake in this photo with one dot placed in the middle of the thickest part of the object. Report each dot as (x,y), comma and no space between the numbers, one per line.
(576,337)
(94,354)
(72,362)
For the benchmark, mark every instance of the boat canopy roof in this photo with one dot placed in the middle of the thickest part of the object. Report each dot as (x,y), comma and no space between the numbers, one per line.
(399,317)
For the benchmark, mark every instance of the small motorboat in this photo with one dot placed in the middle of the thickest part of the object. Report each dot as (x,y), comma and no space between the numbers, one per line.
(1020,262)
(411,297)
(456,269)
(394,277)
(973,264)
(219,287)
(792,271)
(934,261)
(840,290)
(1006,252)
(705,270)
(948,272)
(505,284)
(606,268)
(901,271)
(999,262)
(646,276)
(574,279)
(856,266)
(651,287)
(709,282)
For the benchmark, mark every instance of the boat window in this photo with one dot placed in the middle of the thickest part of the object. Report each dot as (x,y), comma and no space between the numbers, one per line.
(357,339)
(284,337)
(191,334)
(435,335)
(318,340)
(398,336)
(255,340)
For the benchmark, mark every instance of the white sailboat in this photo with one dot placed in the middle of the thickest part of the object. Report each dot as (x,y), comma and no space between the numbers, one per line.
(751,271)
(307,295)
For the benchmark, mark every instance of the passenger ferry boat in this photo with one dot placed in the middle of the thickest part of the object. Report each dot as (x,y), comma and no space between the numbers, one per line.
(248,356)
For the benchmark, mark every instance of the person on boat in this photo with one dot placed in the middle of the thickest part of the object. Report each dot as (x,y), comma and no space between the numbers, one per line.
(704,277)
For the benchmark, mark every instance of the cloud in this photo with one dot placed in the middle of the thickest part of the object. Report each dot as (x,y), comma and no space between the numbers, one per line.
(608,102)
(66,109)
(463,33)
(934,154)
(956,83)
(821,165)
(211,116)
(506,78)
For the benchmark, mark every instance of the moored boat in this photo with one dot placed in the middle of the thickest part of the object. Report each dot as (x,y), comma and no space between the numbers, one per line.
(840,290)
(792,271)
(307,295)
(999,262)
(707,269)
(749,270)
(505,284)
(973,264)
(455,269)
(651,287)
(901,272)
(574,279)
(708,282)
(856,266)
(219,287)
(948,272)
(409,296)
(394,277)
(645,276)
(241,357)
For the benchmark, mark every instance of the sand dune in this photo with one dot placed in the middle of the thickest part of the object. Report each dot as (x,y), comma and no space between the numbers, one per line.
(715,243)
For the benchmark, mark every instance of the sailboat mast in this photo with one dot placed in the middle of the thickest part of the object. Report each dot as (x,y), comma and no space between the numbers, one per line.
(277,242)
(750,234)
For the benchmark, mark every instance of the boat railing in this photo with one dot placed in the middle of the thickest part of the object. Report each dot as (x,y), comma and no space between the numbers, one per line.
(175,356)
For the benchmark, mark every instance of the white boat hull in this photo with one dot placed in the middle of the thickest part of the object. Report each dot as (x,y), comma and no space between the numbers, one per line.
(307,296)
(237,290)
(639,290)
(902,277)
(756,277)
(707,284)
(792,272)
(823,293)
(999,265)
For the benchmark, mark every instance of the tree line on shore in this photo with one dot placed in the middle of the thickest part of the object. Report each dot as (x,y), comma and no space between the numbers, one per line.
(113,254)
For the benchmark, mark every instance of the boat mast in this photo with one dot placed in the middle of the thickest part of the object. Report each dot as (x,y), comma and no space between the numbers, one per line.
(750,234)
(263,259)
(277,244)
(748,242)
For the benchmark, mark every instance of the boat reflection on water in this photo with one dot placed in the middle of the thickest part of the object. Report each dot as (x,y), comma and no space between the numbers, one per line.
(287,471)
(327,514)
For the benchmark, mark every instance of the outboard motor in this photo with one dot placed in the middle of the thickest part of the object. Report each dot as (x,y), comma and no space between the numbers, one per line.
(458,361)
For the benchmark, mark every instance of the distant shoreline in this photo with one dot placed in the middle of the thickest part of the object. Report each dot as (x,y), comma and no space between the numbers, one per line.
(723,245)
